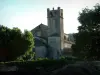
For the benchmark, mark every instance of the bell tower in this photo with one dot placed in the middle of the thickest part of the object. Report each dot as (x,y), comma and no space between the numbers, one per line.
(55,31)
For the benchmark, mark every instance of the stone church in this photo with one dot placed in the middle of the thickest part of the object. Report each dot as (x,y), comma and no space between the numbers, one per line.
(50,39)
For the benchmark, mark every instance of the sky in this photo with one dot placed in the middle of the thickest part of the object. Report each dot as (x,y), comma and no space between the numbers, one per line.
(27,14)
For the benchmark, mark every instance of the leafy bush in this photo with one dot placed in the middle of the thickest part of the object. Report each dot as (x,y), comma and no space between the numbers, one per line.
(25,57)
(14,43)
(47,64)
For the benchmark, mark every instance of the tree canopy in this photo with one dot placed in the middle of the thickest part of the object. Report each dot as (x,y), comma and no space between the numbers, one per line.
(87,40)
(15,42)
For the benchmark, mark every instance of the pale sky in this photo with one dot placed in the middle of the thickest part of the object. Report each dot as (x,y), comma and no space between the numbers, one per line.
(27,14)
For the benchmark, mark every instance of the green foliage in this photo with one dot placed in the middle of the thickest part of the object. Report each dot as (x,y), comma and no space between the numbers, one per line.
(87,40)
(4,33)
(89,19)
(39,59)
(15,42)
(29,38)
(47,64)
(27,56)
(70,58)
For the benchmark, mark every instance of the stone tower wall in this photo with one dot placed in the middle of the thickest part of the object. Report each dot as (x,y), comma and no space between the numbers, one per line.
(55,31)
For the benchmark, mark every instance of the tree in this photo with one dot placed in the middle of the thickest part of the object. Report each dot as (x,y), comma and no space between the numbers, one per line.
(87,40)
(4,36)
(4,41)
(15,42)
(21,43)
(89,19)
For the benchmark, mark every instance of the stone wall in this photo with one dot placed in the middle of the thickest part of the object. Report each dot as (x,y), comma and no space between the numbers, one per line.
(54,42)
(40,51)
